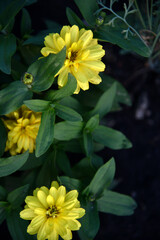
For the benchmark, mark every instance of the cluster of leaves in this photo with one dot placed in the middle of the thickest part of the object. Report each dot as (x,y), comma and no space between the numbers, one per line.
(70,125)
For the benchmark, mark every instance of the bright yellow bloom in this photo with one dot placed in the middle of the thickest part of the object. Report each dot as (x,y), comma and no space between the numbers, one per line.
(23,125)
(53,212)
(83,55)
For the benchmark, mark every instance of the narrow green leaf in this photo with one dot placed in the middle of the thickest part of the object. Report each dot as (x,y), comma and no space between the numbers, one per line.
(7,50)
(12,97)
(25,23)
(90,221)
(73,18)
(17,196)
(67,90)
(33,161)
(88,9)
(84,170)
(122,95)
(48,171)
(105,102)
(70,183)
(44,70)
(9,11)
(65,131)
(92,123)
(3,213)
(63,162)
(37,105)
(114,35)
(88,143)
(102,179)
(12,164)
(116,203)
(67,113)
(3,134)
(46,132)
(3,193)
(111,138)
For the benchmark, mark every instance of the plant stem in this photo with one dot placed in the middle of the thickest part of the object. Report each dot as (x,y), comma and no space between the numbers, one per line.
(148,15)
(122,19)
(155,41)
(151,12)
(140,15)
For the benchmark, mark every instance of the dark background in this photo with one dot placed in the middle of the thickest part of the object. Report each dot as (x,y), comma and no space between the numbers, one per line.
(137,168)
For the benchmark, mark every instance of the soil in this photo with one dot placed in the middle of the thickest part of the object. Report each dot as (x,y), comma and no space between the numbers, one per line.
(137,168)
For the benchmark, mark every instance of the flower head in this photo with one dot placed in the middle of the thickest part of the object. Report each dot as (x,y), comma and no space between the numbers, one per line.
(83,55)
(23,125)
(52,212)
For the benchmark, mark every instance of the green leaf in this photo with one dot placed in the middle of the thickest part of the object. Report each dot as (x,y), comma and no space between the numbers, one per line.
(73,18)
(17,226)
(48,171)
(67,90)
(12,164)
(9,11)
(7,50)
(111,138)
(89,222)
(84,170)
(116,203)
(92,123)
(102,179)
(3,133)
(63,162)
(65,131)
(67,113)
(3,207)
(105,102)
(29,2)
(88,143)
(37,105)
(25,23)
(46,132)
(114,35)
(3,193)
(70,183)
(44,70)
(122,95)
(33,161)
(12,97)
(88,9)
(17,196)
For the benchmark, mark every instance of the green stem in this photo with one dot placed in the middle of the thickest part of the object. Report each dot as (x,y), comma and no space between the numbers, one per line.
(155,41)
(151,12)
(122,19)
(139,14)
(148,15)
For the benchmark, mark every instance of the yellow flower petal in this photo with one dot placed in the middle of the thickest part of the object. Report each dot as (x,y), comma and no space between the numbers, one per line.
(60,195)
(42,198)
(27,214)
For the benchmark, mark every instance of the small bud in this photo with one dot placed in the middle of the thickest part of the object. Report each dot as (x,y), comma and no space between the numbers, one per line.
(99,20)
(27,78)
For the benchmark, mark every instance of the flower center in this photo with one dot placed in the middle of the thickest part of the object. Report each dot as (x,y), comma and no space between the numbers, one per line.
(52,212)
(73,56)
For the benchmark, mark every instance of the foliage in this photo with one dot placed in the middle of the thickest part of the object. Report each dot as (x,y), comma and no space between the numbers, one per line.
(71,125)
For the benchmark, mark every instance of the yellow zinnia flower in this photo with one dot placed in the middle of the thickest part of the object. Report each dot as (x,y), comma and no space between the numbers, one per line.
(53,212)
(83,55)
(22,125)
